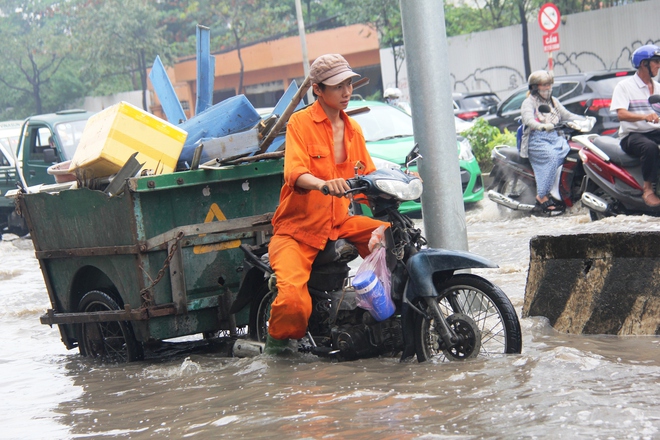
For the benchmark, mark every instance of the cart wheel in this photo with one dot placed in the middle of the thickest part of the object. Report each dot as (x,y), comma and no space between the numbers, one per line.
(112,341)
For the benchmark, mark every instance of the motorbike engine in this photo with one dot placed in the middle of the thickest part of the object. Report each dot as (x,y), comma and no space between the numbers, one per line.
(361,341)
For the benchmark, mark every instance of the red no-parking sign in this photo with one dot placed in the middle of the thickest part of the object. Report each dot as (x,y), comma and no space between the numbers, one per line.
(549,17)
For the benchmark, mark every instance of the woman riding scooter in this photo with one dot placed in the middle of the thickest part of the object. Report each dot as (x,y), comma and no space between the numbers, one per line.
(544,147)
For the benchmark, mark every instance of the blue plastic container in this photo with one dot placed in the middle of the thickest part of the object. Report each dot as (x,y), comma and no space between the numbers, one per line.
(230,116)
(370,290)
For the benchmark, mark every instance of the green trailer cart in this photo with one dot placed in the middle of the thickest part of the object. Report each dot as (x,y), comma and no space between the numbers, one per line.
(161,260)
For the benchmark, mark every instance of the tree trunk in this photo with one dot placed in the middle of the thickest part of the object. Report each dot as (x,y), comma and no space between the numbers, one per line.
(240,59)
(142,66)
(36,92)
(396,66)
(525,37)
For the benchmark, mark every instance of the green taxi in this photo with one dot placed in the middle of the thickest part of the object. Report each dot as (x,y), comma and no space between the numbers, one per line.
(388,132)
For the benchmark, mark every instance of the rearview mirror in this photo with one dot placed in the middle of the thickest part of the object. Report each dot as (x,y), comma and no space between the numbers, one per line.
(654,100)
(413,156)
(544,108)
(50,156)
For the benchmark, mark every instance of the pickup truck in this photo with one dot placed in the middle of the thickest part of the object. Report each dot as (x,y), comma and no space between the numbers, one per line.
(9,135)
(43,140)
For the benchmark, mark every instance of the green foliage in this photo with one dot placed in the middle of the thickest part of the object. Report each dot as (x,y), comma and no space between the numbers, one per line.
(462,19)
(484,137)
(117,39)
(384,16)
(35,43)
(55,52)
(376,96)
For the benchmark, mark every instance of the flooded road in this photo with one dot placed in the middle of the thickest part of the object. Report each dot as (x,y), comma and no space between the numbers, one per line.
(561,386)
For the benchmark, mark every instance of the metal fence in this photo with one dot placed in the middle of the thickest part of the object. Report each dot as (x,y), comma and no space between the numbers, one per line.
(493,60)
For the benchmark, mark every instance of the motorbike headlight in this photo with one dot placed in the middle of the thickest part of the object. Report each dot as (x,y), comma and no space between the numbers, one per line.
(464,149)
(385,164)
(411,190)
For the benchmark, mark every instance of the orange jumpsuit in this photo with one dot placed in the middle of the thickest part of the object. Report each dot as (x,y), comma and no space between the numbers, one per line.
(305,220)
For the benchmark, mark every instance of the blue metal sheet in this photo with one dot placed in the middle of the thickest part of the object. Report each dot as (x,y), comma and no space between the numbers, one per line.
(204,74)
(276,144)
(229,116)
(166,94)
(284,101)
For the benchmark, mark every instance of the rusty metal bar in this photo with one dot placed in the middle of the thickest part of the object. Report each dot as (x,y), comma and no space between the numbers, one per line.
(177,279)
(51,317)
(89,252)
(242,224)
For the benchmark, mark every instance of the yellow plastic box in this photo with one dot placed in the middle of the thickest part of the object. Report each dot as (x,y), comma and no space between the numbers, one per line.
(111,136)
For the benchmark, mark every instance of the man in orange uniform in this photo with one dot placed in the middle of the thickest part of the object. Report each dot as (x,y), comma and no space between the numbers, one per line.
(323,146)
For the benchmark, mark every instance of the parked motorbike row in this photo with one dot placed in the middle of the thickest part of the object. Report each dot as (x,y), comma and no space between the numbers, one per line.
(596,172)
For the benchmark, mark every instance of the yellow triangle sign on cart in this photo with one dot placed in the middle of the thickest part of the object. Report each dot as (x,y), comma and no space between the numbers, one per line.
(215,213)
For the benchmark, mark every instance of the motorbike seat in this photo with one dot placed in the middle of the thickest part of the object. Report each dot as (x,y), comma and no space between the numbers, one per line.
(612,148)
(512,154)
(336,251)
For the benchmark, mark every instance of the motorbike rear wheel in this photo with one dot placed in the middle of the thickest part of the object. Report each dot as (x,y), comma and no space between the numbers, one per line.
(483,303)
(260,313)
(516,189)
(597,191)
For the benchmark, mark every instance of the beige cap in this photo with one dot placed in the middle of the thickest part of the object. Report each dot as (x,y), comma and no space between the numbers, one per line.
(330,69)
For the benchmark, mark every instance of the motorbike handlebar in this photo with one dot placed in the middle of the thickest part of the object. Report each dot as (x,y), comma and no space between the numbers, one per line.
(352,183)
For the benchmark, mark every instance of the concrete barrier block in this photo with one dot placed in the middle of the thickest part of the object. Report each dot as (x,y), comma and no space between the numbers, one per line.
(596,283)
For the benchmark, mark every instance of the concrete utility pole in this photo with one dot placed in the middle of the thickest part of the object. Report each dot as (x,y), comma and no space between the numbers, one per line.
(427,60)
(303,44)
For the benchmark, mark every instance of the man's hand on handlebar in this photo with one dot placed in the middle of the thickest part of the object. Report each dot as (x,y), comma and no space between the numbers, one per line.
(334,187)
(652,118)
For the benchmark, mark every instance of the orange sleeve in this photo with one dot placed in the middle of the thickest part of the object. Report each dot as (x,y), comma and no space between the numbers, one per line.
(296,158)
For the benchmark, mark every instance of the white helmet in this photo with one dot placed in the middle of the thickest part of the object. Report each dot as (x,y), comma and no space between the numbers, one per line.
(539,77)
(392,93)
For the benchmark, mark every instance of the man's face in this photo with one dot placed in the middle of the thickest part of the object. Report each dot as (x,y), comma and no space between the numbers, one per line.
(654,65)
(336,96)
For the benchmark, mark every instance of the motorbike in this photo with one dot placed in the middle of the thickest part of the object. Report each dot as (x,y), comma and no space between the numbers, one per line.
(513,184)
(615,182)
(438,310)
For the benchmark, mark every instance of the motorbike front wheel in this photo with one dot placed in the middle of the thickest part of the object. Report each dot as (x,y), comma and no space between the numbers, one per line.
(483,303)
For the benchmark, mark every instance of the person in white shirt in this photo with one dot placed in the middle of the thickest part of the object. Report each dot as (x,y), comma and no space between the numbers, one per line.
(639,128)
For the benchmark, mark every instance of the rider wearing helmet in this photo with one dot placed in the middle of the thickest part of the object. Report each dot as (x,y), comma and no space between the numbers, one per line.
(639,130)
(544,147)
(392,96)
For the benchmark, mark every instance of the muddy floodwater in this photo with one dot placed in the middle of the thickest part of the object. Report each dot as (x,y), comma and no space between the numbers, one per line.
(561,386)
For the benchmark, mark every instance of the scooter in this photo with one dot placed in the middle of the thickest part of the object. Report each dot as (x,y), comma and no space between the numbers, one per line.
(513,184)
(614,178)
(437,311)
